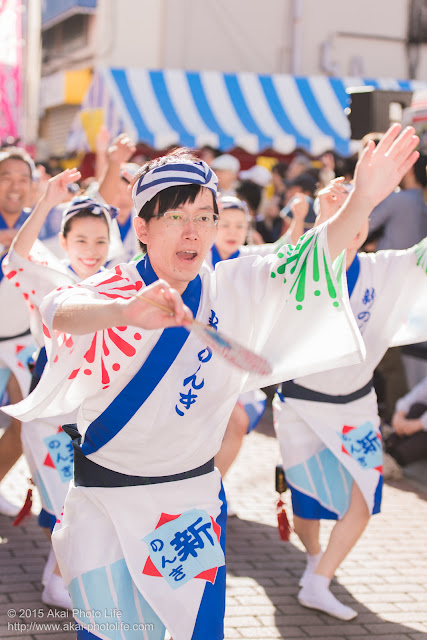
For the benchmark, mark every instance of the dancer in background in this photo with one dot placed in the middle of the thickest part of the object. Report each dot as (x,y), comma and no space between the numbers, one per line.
(328,424)
(35,272)
(16,343)
(232,231)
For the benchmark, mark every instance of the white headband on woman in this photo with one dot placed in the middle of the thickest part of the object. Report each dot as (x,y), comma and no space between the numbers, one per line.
(83,202)
(173,174)
(231,202)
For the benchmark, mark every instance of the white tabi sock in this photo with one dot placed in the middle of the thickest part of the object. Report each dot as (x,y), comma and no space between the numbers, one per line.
(55,593)
(315,594)
(49,567)
(310,567)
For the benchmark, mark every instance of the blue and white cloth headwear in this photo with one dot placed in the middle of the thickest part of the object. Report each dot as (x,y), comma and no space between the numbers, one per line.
(231,202)
(175,173)
(97,208)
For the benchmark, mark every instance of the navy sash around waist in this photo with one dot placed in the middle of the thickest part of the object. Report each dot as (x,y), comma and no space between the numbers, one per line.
(135,393)
(292,390)
(19,335)
(90,474)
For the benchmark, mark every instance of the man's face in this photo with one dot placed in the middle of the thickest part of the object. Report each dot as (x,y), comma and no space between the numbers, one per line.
(15,186)
(176,252)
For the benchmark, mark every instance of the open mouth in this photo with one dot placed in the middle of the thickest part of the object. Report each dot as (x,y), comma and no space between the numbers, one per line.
(187,256)
(89,262)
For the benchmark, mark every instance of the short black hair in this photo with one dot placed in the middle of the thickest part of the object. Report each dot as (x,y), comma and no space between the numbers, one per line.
(420,171)
(280,168)
(251,193)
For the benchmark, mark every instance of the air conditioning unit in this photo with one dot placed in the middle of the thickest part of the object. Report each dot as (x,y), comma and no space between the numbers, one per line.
(375,109)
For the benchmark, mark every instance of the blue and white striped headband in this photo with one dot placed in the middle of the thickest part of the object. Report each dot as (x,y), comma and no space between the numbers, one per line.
(173,174)
(230,202)
(83,202)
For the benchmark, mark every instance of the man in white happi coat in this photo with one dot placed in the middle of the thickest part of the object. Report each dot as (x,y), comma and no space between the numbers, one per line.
(143,528)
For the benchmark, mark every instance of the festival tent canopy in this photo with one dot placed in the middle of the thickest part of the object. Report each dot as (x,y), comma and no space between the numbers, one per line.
(225,110)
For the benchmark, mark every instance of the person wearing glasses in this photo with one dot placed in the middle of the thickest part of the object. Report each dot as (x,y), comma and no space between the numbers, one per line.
(143,526)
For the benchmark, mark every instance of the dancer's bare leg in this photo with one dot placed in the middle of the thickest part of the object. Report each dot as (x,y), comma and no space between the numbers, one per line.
(236,430)
(315,591)
(345,534)
(308,532)
(10,442)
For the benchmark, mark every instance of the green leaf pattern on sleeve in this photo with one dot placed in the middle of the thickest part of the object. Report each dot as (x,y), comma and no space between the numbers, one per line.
(307,263)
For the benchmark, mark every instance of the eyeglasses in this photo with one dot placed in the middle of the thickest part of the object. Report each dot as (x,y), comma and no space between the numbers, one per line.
(178,219)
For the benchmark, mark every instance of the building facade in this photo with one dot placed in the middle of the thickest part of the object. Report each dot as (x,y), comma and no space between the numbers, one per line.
(300,37)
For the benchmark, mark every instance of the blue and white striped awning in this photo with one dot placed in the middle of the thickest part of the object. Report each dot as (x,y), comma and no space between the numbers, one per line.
(225,110)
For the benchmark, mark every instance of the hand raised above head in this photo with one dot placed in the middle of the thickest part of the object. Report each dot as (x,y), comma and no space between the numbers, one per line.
(331,199)
(380,169)
(299,207)
(102,140)
(121,149)
(56,190)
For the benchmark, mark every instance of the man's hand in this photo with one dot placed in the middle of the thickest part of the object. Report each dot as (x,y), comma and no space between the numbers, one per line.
(57,189)
(381,168)
(378,171)
(403,426)
(398,422)
(299,207)
(146,310)
(331,199)
(121,149)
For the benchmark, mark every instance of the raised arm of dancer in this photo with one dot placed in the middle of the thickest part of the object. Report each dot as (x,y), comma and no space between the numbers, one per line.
(299,208)
(121,150)
(378,171)
(54,195)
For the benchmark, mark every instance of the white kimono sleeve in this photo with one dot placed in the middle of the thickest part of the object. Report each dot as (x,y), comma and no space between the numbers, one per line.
(36,276)
(298,306)
(267,248)
(80,365)
(408,323)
